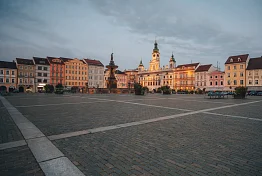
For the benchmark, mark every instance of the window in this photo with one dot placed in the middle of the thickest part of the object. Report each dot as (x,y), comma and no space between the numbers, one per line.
(21,67)
(25,73)
(235,82)
(39,80)
(25,81)
(235,74)
(241,67)
(31,68)
(228,75)
(39,74)
(210,76)
(45,68)
(221,76)
(215,76)
(235,67)
(238,59)
(250,82)
(241,74)
(31,81)
(221,83)
(228,67)
(45,74)
(39,68)
(241,82)
(1,80)
(216,83)
(256,81)
(231,60)
(20,81)
(1,72)
(31,74)
(7,72)
(45,81)
(13,72)
(256,73)
(25,67)
(210,83)
(250,73)
(13,80)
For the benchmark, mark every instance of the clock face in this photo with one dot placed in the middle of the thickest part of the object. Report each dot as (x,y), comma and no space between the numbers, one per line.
(157,55)
(154,55)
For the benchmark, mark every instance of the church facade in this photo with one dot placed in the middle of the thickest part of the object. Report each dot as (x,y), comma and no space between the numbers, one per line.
(177,77)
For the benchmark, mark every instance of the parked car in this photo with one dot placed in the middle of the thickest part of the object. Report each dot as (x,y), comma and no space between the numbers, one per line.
(15,91)
(259,94)
(252,93)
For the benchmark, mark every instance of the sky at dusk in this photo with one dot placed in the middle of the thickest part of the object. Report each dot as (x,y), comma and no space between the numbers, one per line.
(204,31)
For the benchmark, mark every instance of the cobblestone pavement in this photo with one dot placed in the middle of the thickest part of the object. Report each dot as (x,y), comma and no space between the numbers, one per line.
(198,144)
(8,130)
(68,118)
(18,161)
(191,145)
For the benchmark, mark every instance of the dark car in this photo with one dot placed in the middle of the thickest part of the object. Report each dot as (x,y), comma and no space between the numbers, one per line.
(252,93)
(259,94)
(15,91)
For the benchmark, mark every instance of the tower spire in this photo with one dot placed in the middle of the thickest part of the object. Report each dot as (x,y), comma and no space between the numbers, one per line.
(172,57)
(156,47)
(141,63)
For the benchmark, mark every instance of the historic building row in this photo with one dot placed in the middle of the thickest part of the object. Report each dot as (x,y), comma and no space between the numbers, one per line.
(34,74)
(240,70)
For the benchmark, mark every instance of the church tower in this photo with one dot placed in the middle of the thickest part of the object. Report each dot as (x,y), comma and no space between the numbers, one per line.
(172,61)
(141,66)
(155,61)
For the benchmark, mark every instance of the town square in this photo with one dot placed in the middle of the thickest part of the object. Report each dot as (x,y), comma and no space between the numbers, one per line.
(125,134)
(130,88)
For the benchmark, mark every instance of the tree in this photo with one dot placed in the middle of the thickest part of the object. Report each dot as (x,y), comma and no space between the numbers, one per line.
(49,88)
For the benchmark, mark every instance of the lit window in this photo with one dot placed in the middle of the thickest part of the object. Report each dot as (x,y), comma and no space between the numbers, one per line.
(256,81)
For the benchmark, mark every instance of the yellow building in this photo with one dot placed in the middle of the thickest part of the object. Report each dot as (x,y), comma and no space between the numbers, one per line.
(76,72)
(8,76)
(235,71)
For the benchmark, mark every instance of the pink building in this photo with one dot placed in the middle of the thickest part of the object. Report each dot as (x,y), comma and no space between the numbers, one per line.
(216,81)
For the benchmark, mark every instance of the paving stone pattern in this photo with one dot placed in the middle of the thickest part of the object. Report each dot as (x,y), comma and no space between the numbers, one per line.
(61,119)
(192,145)
(8,130)
(19,161)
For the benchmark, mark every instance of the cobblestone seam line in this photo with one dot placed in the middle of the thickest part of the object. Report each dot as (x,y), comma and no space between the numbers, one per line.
(101,129)
(49,157)
(12,144)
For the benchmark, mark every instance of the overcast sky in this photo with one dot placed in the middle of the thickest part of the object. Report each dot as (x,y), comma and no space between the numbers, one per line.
(204,31)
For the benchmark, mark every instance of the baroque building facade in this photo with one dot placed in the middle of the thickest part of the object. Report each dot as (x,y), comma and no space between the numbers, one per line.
(155,76)
(42,72)
(8,76)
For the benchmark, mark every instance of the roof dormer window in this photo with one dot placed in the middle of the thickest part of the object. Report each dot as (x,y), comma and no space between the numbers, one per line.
(231,60)
(238,59)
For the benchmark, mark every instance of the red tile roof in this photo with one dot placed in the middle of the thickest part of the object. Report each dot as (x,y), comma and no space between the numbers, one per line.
(64,59)
(188,65)
(93,62)
(5,64)
(41,61)
(235,59)
(203,68)
(255,63)
(55,60)
(24,61)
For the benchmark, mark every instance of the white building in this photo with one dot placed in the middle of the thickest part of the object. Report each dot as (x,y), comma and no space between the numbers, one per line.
(95,73)
(202,76)
(42,75)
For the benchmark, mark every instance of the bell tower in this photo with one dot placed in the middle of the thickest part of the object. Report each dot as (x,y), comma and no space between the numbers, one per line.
(155,61)
(172,61)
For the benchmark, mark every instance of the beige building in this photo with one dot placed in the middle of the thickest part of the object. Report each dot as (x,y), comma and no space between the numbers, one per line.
(121,78)
(235,71)
(254,74)
(8,76)
(25,75)
(76,72)
(95,73)
(156,76)
(202,76)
